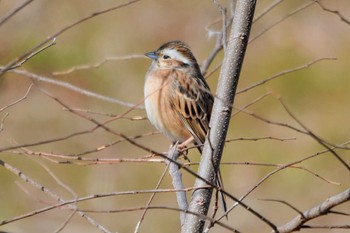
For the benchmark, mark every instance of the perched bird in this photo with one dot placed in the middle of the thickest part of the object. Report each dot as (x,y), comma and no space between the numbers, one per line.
(177,97)
(178,100)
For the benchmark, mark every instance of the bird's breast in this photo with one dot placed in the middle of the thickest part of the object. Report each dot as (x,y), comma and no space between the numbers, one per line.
(160,112)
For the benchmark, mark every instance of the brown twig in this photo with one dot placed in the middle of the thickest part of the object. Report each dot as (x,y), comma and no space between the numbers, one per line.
(151,199)
(19,64)
(317,138)
(337,13)
(14,11)
(71,87)
(253,38)
(267,10)
(50,193)
(76,200)
(2,121)
(19,100)
(203,217)
(96,65)
(284,72)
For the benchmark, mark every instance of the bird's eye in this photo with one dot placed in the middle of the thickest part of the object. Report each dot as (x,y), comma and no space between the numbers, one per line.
(166,57)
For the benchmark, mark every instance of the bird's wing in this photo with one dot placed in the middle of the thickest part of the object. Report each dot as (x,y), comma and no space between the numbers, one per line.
(193,102)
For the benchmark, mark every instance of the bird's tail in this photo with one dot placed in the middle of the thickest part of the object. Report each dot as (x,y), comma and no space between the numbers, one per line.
(218,181)
(220,184)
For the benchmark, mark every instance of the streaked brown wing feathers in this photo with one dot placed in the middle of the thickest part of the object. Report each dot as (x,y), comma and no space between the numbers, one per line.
(192,101)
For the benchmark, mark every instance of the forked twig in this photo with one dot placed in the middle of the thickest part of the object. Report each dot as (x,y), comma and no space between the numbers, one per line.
(319,210)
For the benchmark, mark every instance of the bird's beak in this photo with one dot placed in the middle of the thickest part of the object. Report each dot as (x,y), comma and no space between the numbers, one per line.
(152,55)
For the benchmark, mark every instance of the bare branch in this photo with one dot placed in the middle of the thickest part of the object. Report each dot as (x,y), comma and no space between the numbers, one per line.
(73,88)
(150,200)
(326,227)
(319,210)
(64,29)
(206,63)
(14,11)
(176,176)
(19,100)
(81,199)
(284,166)
(251,103)
(19,64)
(286,203)
(284,72)
(96,65)
(281,20)
(65,223)
(272,122)
(71,159)
(2,121)
(187,212)
(337,13)
(267,10)
(49,193)
(317,138)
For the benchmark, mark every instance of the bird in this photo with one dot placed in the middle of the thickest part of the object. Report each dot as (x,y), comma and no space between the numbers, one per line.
(178,99)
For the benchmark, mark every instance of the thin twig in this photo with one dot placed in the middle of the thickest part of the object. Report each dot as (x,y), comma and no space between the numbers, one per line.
(19,64)
(2,121)
(267,10)
(284,72)
(284,202)
(151,199)
(251,103)
(53,195)
(341,17)
(85,160)
(96,65)
(272,122)
(260,138)
(134,118)
(65,223)
(73,88)
(252,39)
(81,199)
(64,29)
(19,100)
(284,165)
(14,11)
(203,217)
(314,136)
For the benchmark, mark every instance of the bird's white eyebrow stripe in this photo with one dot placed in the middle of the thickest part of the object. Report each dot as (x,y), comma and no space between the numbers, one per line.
(174,54)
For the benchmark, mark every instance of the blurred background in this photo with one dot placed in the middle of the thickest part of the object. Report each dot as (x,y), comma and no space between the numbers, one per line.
(318,96)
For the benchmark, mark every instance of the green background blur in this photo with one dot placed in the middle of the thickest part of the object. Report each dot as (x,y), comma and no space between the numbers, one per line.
(319,96)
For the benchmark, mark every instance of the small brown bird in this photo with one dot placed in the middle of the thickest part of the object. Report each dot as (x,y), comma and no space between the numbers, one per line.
(177,98)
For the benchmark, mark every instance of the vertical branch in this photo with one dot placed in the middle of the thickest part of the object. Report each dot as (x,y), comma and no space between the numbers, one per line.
(221,113)
(177,182)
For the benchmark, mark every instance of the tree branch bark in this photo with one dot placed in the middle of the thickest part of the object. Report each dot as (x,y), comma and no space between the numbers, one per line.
(317,211)
(221,113)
